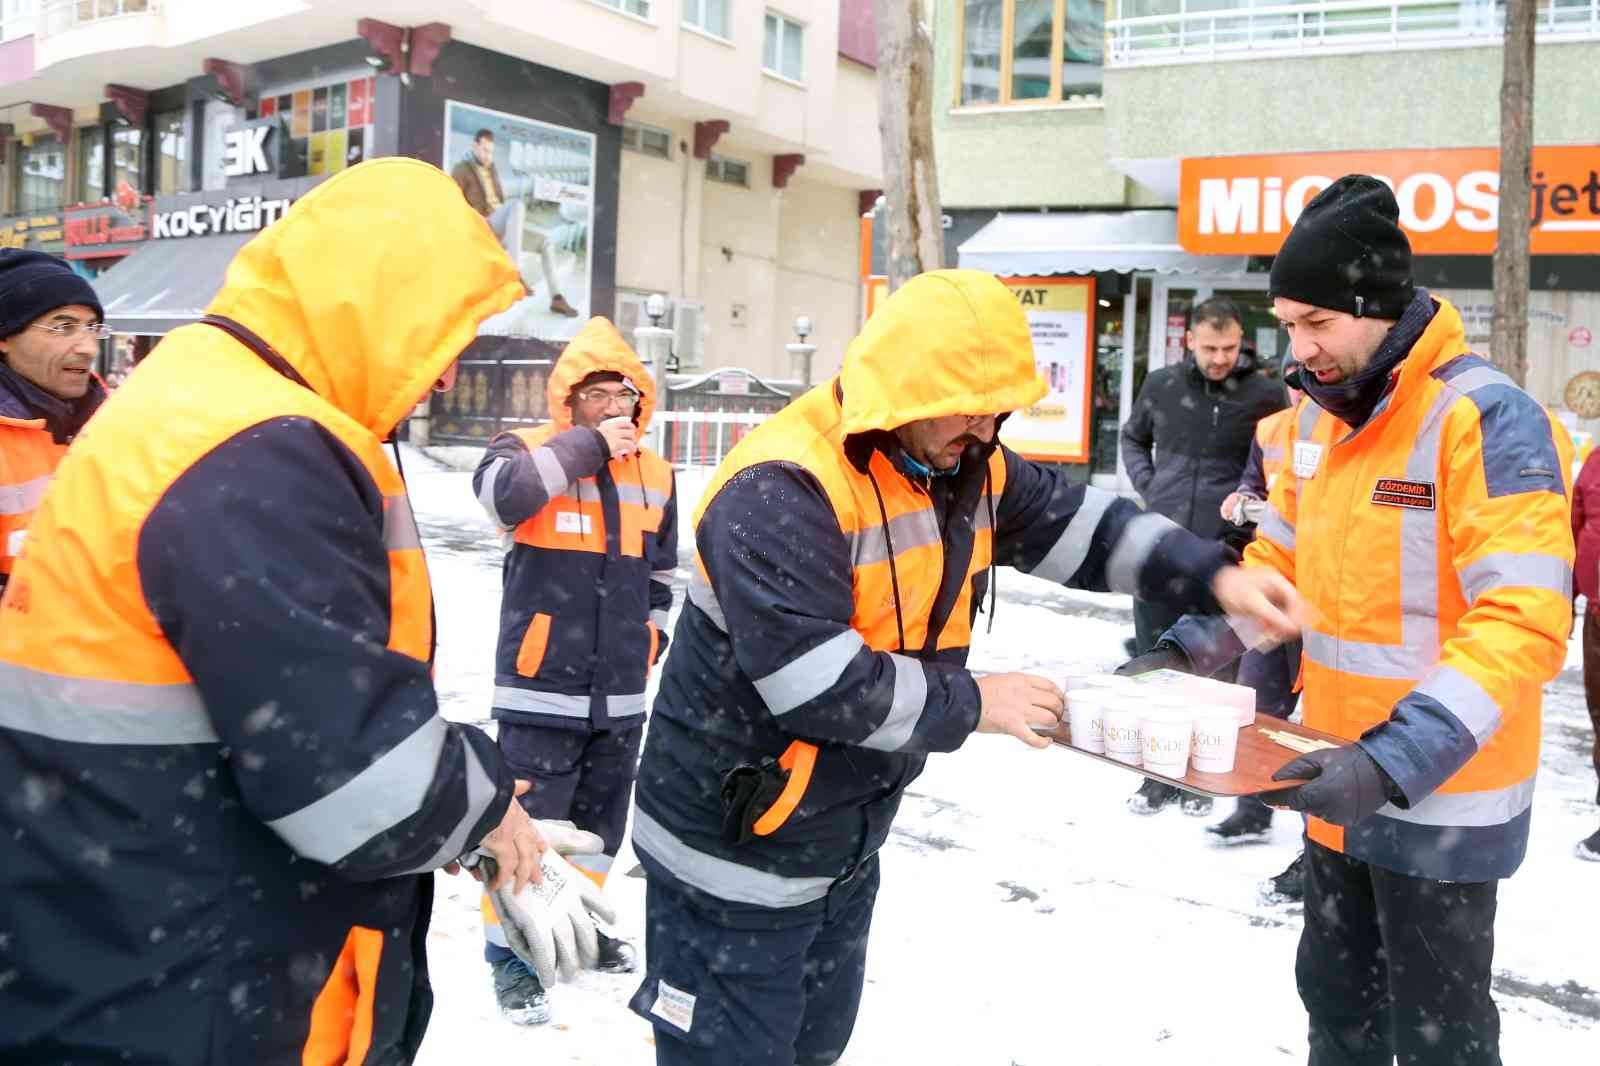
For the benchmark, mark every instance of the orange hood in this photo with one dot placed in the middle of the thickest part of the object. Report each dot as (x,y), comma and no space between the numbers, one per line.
(949,342)
(372,285)
(597,346)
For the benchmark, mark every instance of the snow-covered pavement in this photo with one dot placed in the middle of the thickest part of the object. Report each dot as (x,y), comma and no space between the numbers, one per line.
(1026,918)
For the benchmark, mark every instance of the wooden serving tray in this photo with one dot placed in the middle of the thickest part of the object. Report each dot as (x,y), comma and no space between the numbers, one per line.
(1258,758)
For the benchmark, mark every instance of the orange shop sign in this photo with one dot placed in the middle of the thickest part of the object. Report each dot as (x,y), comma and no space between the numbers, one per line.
(1449,198)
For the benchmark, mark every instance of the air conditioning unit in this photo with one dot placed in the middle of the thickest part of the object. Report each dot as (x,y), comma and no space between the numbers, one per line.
(630,311)
(688,327)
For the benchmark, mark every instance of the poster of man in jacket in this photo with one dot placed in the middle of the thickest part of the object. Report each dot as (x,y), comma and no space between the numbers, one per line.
(534,183)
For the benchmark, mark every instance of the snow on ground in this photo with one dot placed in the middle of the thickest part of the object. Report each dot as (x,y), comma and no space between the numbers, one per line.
(1026,918)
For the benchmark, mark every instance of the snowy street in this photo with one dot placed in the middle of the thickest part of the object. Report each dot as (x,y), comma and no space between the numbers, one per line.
(1026,917)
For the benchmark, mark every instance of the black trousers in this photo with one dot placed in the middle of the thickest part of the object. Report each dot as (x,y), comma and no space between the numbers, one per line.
(1396,968)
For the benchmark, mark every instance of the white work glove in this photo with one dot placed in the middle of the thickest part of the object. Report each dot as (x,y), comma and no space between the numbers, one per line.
(551,925)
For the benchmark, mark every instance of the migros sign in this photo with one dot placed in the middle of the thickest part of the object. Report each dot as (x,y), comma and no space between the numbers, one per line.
(1449,198)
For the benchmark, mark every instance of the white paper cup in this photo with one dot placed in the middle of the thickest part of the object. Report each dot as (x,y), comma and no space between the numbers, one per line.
(1086,709)
(1078,682)
(1216,739)
(1120,719)
(1164,737)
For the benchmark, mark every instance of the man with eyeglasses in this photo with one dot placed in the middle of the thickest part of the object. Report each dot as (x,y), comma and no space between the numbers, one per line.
(50,332)
(592,519)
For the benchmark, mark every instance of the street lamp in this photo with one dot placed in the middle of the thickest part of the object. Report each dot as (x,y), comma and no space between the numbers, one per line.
(655,308)
(801,351)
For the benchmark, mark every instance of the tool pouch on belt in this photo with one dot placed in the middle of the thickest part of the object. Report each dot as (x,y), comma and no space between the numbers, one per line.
(756,800)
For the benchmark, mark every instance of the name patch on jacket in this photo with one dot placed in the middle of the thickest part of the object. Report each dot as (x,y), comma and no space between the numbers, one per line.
(573,522)
(1393,492)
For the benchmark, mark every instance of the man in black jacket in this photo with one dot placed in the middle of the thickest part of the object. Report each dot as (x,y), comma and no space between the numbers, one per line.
(1200,416)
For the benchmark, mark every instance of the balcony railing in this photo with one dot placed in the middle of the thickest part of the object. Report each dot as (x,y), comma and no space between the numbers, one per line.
(58,16)
(1158,36)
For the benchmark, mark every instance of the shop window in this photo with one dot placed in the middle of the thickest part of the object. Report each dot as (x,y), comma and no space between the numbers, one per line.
(708,16)
(172,153)
(41,175)
(728,171)
(127,158)
(647,140)
(91,165)
(783,48)
(1031,51)
(632,7)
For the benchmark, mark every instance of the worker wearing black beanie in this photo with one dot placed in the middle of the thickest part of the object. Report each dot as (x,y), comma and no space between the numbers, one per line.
(1347,252)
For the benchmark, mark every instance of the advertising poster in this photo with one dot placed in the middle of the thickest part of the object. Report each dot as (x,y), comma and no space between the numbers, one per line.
(1059,309)
(534,183)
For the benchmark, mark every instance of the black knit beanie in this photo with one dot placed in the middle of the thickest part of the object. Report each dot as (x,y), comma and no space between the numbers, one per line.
(33,284)
(1347,252)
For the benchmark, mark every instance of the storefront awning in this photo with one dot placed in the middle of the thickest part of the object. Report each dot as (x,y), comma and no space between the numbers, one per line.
(166,284)
(1024,243)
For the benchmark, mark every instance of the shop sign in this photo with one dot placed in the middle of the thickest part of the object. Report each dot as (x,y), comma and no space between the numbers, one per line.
(1060,313)
(40,233)
(108,229)
(241,214)
(1580,337)
(1449,198)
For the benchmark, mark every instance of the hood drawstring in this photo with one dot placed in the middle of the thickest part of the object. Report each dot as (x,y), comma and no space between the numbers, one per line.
(994,583)
(894,575)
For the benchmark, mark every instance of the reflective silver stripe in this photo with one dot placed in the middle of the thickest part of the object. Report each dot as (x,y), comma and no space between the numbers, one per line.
(1476,378)
(1392,661)
(551,472)
(639,494)
(914,529)
(600,864)
(1133,548)
(86,711)
(399,525)
(480,793)
(702,596)
(809,675)
(663,576)
(1306,421)
(374,801)
(1272,452)
(23,497)
(1515,570)
(1463,809)
(1072,547)
(660,619)
(522,699)
(486,490)
(981,519)
(1419,544)
(719,877)
(910,696)
(1275,528)
(1464,698)
(493,933)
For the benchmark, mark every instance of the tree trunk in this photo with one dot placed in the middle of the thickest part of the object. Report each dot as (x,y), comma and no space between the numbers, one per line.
(905,120)
(1508,341)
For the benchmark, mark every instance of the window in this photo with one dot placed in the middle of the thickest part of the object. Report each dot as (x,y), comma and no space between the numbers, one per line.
(1031,51)
(172,153)
(783,48)
(727,171)
(710,16)
(42,176)
(647,140)
(632,7)
(91,164)
(127,158)
(16,19)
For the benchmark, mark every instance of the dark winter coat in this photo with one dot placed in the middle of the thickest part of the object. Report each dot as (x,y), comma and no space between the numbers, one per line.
(1200,431)
(1586,531)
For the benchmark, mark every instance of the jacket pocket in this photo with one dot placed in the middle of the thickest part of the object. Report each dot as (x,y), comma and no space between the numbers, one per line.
(530,656)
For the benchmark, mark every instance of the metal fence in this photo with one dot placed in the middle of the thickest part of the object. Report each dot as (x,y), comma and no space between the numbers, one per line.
(704,416)
(1158,32)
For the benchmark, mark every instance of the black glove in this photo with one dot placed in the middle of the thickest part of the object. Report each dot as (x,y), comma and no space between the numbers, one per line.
(1346,785)
(1164,656)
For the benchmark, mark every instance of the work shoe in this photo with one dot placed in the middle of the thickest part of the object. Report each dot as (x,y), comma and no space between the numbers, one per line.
(1289,886)
(1195,805)
(523,1000)
(1589,849)
(1152,796)
(616,955)
(1250,823)
(559,305)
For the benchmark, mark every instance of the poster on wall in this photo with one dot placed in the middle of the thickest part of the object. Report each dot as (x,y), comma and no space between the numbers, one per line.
(534,183)
(1059,310)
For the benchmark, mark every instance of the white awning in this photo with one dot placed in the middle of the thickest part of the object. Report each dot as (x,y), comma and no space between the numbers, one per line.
(164,284)
(1023,243)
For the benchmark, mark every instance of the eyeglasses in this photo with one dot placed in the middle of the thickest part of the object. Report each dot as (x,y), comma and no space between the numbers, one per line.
(97,330)
(627,396)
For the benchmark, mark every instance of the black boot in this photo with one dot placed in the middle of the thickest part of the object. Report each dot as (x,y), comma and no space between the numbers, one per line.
(1249,823)
(1194,804)
(1589,848)
(1152,796)
(1289,886)
(616,955)
(523,1000)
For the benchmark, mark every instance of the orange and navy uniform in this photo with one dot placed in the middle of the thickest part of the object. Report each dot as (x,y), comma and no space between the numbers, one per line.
(594,543)
(35,429)
(1434,634)
(234,779)
(1269,451)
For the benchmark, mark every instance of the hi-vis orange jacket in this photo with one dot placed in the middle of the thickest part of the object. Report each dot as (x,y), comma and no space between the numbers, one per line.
(218,732)
(835,593)
(1434,545)
(30,450)
(588,579)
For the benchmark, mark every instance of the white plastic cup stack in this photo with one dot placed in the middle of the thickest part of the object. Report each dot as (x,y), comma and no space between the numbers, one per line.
(1120,718)
(1216,739)
(1164,736)
(1086,708)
